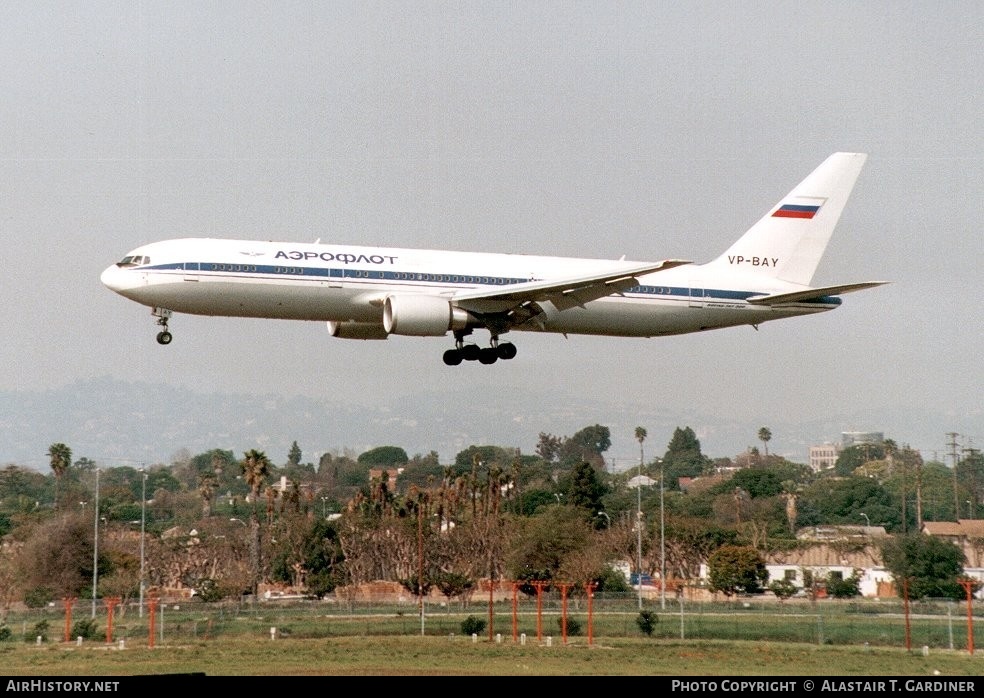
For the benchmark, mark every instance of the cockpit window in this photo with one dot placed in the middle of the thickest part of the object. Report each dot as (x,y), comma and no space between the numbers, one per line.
(133,260)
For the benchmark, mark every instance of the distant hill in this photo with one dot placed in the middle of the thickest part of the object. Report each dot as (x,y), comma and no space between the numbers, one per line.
(116,422)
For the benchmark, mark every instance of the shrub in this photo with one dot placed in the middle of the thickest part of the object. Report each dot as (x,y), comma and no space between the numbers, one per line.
(647,620)
(472,626)
(86,629)
(6,633)
(782,588)
(612,580)
(573,627)
(40,629)
(39,597)
(840,588)
(208,590)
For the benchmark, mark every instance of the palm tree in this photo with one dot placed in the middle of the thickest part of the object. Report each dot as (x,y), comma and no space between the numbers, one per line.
(60,457)
(764,435)
(207,485)
(256,467)
(640,435)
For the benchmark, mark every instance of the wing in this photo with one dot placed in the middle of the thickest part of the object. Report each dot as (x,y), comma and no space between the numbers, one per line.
(812,294)
(563,293)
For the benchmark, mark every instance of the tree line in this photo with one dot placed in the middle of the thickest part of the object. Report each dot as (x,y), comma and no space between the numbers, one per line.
(224,524)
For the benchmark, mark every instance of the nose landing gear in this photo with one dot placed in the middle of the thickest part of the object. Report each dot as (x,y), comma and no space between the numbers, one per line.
(163,315)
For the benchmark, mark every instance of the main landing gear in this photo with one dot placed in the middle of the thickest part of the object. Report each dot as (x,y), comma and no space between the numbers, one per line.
(473,352)
(162,315)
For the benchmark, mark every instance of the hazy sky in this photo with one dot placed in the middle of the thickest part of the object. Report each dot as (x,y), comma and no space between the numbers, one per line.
(592,129)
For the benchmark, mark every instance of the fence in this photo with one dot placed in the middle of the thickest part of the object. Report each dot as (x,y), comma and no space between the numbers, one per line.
(935,624)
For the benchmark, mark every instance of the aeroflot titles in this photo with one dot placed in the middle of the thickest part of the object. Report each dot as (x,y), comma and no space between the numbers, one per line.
(344,257)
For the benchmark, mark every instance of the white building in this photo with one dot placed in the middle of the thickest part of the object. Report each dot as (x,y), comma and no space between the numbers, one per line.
(823,457)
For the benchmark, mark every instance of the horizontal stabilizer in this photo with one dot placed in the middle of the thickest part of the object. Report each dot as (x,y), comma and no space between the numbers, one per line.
(812,294)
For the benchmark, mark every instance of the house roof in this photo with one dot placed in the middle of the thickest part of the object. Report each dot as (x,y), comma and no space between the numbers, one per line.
(641,480)
(826,555)
(962,527)
(841,532)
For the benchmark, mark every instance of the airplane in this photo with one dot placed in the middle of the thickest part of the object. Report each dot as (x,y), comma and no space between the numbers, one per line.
(371,293)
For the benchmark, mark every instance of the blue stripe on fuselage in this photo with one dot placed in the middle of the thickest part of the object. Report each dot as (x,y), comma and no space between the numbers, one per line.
(281,271)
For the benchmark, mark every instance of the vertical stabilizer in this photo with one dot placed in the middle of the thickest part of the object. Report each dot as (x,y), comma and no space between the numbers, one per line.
(788,242)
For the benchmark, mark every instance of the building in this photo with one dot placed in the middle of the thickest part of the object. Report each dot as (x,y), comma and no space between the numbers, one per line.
(828,534)
(823,457)
(641,481)
(966,534)
(385,475)
(817,563)
(858,438)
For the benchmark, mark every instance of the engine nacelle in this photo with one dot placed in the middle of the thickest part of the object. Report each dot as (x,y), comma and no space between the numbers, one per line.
(357,330)
(422,316)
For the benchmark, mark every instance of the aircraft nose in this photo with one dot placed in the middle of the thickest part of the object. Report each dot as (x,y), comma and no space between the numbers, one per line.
(111,278)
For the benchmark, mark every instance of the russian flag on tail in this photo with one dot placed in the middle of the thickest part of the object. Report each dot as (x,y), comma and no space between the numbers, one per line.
(800,207)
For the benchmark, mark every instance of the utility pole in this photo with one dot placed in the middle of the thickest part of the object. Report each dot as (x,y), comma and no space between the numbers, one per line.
(662,544)
(639,529)
(143,525)
(953,454)
(95,546)
(639,536)
(420,561)
(972,453)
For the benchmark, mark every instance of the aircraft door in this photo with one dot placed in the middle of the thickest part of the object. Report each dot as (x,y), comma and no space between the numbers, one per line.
(696,296)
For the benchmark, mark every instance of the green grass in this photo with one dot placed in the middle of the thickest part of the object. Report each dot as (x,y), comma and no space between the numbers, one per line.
(748,639)
(461,656)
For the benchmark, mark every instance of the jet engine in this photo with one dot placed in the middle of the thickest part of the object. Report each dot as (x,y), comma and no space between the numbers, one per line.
(357,330)
(422,316)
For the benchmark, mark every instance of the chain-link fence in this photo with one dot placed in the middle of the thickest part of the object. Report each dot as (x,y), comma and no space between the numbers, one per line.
(934,624)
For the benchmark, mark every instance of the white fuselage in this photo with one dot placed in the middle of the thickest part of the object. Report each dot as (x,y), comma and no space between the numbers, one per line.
(348,283)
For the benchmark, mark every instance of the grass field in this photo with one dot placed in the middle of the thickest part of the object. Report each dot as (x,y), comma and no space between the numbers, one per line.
(465,656)
(317,639)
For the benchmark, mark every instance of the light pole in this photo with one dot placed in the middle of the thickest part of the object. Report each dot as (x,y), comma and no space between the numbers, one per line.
(662,544)
(143,527)
(420,561)
(608,519)
(867,521)
(639,531)
(95,546)
(239,521)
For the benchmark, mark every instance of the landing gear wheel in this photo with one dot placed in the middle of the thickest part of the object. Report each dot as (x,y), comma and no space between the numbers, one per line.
(488,355)
(452,357)
(506,351)
(162,315)
(470,352)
